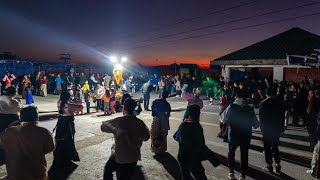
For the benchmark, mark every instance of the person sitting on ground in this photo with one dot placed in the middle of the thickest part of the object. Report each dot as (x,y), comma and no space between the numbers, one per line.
(129,133)
(26,146)
(192,147)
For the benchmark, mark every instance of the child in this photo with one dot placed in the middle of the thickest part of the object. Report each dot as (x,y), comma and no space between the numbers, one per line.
(87,96)
(29,98)
(99,93)
(78,97)
(106,100)
(112,100)
(113,85)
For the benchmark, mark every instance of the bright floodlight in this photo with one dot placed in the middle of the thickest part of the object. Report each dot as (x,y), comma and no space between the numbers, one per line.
(124,59)
(118,66)
(113,59)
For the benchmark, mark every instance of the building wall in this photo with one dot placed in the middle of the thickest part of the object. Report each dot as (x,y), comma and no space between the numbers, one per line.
(298,74)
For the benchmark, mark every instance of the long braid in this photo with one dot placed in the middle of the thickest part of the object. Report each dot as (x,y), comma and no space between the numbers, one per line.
(64,98)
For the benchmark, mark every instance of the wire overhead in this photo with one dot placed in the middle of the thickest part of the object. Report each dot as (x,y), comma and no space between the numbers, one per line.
(229,22)
(228,30)
(190,19)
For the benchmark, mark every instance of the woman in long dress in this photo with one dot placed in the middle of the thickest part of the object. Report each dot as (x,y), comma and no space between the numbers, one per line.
(161,110)
(65,151)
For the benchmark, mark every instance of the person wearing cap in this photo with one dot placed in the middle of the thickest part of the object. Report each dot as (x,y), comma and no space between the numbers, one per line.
(129,133)
(161,110)
(192,147)
(137,109)
(26,145)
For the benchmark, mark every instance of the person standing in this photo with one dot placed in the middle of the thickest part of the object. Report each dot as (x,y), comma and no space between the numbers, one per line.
(82,79)
(155,82)
(177,84)
(58,84)
(192,147)
(24,83)
(26,146)
(112,100)
(240,118)
(29,98)
(161,87)
(107,80)
(146,90)
(129,133)
(99,93)
(43,87)
(272,117)
(8,78)
(161,110)
(65,151)
(192,98)
(87,97)
(106,102)
(293,101)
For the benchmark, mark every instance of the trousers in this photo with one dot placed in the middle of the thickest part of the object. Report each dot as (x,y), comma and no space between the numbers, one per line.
(271,144)
(244,148)
(146,99)
(124,171)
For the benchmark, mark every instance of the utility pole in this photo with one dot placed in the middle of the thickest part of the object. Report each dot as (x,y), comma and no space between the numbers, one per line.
(65,57)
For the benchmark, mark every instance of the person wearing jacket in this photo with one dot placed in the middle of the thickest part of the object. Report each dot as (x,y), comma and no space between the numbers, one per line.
(146,90)
(192,147)
(129,133)
(240,118)
(272,116)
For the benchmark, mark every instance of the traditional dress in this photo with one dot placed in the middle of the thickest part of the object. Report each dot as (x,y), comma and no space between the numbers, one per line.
(29,98)
(65,151)
(159,129)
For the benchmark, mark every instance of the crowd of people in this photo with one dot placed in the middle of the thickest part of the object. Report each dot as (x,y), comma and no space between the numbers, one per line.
(278,102)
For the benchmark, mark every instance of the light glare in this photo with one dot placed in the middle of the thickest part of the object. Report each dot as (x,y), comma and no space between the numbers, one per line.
(124,59)
(113,59)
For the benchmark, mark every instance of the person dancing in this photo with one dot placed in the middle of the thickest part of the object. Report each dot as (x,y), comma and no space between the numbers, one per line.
(65,151)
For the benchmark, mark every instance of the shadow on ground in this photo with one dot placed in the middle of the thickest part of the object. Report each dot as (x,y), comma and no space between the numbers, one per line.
(170,164)
(62,174)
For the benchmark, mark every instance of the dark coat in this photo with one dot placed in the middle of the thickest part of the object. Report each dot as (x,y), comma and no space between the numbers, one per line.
(272,115)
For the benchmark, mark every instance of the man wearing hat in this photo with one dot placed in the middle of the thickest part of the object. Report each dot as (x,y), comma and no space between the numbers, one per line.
(26,146)
(129,133)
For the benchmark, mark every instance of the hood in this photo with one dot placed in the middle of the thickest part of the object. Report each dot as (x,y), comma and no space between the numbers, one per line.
(240,102)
